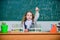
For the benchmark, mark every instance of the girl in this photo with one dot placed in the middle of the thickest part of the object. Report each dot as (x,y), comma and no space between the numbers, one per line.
(29,19)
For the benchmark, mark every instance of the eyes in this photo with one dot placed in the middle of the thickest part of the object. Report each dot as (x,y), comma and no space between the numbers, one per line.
(29,14)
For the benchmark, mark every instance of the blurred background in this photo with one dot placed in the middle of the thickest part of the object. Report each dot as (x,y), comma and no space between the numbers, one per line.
(14,10)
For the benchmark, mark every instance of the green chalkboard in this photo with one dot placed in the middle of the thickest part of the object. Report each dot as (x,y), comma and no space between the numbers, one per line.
(13,10)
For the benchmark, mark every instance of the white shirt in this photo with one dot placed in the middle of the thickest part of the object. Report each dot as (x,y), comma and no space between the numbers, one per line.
(29,22)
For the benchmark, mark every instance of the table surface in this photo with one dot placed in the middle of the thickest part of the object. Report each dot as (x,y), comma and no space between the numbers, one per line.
(30,33)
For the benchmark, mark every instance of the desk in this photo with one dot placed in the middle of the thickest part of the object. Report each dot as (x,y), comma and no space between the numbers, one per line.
(29,36)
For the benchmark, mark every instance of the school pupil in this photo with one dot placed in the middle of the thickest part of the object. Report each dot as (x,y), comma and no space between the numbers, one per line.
(29,19)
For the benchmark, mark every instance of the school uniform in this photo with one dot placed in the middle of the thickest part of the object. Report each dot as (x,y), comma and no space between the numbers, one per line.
(29,23)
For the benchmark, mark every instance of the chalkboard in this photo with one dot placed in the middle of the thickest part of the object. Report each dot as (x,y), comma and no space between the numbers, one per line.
(14,10)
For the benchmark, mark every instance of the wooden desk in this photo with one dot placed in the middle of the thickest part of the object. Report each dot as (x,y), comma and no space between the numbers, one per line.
(29,36)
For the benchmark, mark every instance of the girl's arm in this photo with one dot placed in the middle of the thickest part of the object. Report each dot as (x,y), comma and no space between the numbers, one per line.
(37,14)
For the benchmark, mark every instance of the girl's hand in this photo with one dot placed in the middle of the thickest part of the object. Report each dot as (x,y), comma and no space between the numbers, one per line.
(37,9)
(26,30)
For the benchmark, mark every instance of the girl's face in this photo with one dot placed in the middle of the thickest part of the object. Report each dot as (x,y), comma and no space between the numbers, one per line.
(29,16)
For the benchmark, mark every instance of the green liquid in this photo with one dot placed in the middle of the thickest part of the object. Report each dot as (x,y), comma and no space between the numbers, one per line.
(4,28)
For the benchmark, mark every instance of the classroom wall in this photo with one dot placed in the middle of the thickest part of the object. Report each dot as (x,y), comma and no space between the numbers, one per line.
(46,25)
(14,10)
